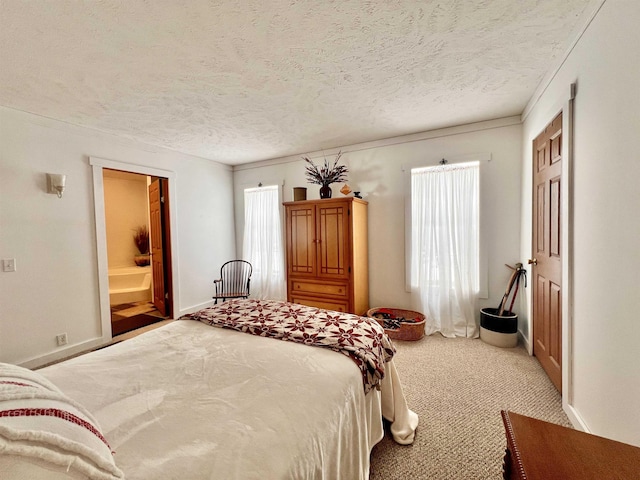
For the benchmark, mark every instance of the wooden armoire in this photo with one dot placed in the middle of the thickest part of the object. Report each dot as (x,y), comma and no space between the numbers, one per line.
(327,254)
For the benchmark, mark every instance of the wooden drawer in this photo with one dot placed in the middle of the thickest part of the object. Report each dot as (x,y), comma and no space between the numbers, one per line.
(313,288)
(327,304)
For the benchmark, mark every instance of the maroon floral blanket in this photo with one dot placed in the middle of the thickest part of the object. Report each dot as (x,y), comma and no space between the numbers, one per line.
(360,338)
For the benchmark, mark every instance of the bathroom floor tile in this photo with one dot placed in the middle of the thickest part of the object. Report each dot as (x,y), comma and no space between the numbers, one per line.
(123,306)
(136,310)
(132,316)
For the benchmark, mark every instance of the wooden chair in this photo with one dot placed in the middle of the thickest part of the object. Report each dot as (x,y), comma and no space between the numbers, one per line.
(234,281)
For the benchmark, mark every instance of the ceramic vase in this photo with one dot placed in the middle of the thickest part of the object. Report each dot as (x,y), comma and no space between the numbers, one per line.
(325,191)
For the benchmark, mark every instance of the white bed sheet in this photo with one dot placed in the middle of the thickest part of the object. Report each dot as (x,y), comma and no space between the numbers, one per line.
(191,401)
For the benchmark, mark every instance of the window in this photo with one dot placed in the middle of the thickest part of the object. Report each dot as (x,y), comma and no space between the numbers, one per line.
(262,243)
(445,237)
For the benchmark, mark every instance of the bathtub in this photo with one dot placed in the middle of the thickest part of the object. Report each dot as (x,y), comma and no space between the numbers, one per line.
(129,284)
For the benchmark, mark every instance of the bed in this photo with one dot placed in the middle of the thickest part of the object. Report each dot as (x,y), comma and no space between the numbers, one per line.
(193,401)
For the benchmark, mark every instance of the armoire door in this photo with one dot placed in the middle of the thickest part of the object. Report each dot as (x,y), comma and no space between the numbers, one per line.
(332,240)
(301,240)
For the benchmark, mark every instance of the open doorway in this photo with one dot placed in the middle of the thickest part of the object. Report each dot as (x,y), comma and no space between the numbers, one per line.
(138,249)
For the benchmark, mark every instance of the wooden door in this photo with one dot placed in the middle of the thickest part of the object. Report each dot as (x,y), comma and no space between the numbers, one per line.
(301,240)
(332,239)
(547,250)
(157,264)
(166,247)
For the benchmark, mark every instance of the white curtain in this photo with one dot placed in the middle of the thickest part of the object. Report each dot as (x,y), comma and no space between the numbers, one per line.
(445,247)
(262,244)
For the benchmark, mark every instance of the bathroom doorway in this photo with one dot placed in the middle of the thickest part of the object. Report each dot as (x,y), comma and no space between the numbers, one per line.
(138,249)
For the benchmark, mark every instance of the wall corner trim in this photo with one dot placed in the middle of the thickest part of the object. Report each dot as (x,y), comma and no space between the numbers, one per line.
(587,17)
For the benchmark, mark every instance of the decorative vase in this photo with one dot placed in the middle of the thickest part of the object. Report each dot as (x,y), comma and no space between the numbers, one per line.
(142,259)
(325,191)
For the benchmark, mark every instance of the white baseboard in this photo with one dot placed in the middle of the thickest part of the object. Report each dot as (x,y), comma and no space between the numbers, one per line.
(64,353)
(575,418)
(525,342)
(194,308)
(92,344)
(573,415)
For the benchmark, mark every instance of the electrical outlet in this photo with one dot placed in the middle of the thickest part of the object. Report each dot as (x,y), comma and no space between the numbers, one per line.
(61,339)
(9,265)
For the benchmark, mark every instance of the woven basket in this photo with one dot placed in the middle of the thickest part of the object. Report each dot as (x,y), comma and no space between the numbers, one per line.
(411,330)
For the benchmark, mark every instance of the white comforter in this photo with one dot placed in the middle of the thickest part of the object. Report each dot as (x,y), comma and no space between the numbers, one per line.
(188,401)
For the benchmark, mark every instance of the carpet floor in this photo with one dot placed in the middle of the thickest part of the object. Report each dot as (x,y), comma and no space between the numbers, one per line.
(457,387)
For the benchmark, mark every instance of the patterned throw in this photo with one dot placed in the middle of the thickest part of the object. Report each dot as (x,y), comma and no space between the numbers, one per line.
(360,338)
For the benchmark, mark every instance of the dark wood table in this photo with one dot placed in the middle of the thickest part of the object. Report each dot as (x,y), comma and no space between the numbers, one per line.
(538,450)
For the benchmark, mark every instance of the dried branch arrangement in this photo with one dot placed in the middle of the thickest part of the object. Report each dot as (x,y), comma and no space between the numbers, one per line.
(327,174)
(141,239)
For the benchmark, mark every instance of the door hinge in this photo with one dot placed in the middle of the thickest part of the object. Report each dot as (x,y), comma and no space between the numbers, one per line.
(166,296)
(162,199)
(348,212)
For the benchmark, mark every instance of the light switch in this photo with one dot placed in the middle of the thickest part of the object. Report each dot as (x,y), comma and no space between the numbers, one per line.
(9,265)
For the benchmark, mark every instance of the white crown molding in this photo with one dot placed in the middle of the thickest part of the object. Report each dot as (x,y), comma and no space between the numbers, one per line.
(588,15)
(74,129)
(386,142)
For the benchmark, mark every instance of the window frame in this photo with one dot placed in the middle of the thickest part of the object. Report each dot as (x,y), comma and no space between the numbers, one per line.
(278,188)
(483,264)
(239,207)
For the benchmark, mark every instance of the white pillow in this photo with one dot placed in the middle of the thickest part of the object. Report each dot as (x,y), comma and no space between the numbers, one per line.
(45,434)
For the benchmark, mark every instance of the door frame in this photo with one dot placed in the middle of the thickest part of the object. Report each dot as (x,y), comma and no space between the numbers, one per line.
(566,106)
(98,164)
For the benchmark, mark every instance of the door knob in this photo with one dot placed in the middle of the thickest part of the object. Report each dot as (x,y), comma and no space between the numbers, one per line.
(533,261)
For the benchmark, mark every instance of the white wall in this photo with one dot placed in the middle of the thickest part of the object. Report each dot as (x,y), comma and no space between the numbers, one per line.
(55,287)
(605,358)
(376,170)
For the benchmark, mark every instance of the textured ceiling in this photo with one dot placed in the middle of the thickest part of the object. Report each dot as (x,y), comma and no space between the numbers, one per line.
(244,80)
